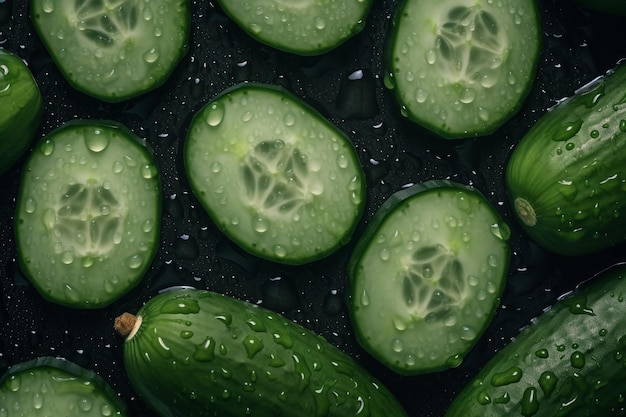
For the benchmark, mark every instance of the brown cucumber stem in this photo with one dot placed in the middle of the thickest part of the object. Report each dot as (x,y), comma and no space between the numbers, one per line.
(127,324)
(525,211)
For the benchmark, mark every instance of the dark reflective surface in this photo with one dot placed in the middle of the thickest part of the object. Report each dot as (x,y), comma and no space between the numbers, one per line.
(346,85)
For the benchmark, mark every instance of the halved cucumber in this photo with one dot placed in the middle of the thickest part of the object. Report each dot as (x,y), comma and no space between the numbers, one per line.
(88,213)
(276,177)
(49,386)
(462,68)
(114,50)
(303,27)
(20,108)
(426,276)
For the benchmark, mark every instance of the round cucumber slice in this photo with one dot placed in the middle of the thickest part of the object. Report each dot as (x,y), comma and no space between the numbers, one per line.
(276,177)
(114,50)
(426,276)
(88,213)
(462,68)
(303,27)
(49,386)
(20,108)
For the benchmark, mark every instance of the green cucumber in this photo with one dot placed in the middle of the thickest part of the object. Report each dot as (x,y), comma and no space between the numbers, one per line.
(462,68)
(198,353)
(275,176)
(88,213)
(114,50)
(426,276)
(568,362)
(20,109)
(302,27)
(566,177)
(50,386)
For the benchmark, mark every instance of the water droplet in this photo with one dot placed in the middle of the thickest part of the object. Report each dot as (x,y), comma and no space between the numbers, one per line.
(567,130)
(149,171)
(96,142)
(567,189)
(578,305)
(215,114)
(547,382)
(501,231)
(510,376)
(47,6)
(47,147)
(225,318)
(542,353)
(319,22)
(205,351)
(577,360)
(530,404)
(483,398)
(151,55)
(85,404)
(261,225)
(135,261)
(253,345)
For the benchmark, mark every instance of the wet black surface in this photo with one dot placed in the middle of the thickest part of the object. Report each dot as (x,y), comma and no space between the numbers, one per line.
(346,85)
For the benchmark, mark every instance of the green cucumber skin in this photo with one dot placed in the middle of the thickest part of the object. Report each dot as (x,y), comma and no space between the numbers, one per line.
(56,383)
(22,109)
(198,353)
(571,359)
(570,168)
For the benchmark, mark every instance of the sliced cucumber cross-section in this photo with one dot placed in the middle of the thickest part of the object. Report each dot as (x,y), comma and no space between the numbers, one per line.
(88,213)
(276,177)
(426,276)
(114,50)
(462,68)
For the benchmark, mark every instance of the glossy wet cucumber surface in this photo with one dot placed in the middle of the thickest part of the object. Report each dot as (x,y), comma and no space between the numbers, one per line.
(200,353)
(277,177)
(87,220)
(114,50)
(53,386)
(426,276)
(462,68)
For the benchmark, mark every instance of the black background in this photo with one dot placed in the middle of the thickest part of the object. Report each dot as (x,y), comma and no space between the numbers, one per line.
(578,45)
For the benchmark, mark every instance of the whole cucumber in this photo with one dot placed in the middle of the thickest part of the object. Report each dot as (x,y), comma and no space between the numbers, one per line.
(198,353)
(571,361)
(567,177)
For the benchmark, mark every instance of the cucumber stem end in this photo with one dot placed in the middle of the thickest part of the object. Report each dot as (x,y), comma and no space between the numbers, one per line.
(525,211)
(127,325)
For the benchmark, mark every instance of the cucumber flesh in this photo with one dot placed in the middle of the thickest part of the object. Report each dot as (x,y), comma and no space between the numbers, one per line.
(276,177)
(462,68)
(88,213)
(114,50)
(20,108)
(426,276)
(303,27)
(49,386)
(568,362)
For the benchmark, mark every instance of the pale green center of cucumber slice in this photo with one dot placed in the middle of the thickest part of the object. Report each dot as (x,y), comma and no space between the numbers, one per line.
(106,22)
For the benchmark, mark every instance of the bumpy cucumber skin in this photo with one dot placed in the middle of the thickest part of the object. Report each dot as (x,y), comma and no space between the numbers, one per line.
(198,353)
(401,201)
(302,33)
(65,382)
(568,362)
(21,104)
(566,178)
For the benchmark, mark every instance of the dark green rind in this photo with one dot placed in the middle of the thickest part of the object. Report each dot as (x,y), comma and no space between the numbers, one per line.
(20,109)
(90,295)
(570,168)
(205,354)
(48,386)
(399,201)
(318,45)
(257,246)
(568,362)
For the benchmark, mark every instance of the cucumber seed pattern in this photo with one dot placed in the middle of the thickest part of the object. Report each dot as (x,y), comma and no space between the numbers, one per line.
(469,45)
(433,283)
(276,179)
(103,22)
(89,219)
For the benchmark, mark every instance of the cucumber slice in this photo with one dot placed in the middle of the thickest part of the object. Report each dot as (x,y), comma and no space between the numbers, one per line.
(426,276)
(114,50)
(303,27)
(276,177)
(49,386)
(20,109)
(462,68)
(88,214)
